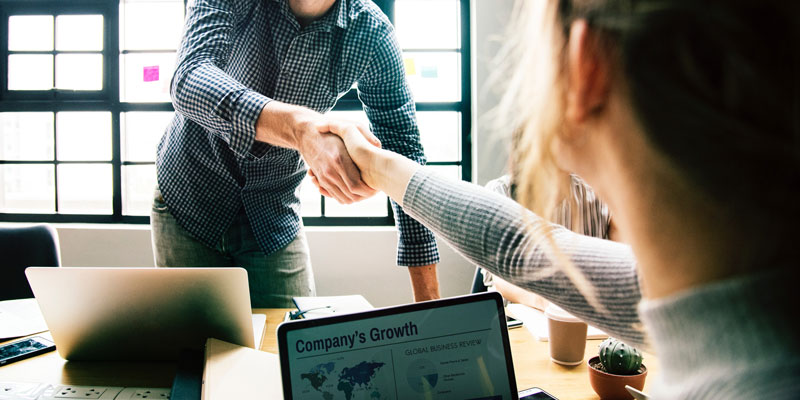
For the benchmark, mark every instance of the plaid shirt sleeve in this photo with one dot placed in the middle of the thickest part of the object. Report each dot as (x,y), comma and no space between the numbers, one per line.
(390,107)
(201,89)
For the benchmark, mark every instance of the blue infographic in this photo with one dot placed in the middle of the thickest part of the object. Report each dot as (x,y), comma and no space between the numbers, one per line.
(333,381)
(429,354)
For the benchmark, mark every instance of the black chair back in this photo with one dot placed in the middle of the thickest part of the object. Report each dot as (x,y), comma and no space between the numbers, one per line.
(477,282)
(21,248)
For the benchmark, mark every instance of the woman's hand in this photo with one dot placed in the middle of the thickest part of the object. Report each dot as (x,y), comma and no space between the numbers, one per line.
(361,144)
(380,169)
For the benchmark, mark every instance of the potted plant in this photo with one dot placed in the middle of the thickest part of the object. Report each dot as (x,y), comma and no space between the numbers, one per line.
(616,366)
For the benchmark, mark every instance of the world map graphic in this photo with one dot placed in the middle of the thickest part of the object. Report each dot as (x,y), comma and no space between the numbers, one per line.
(327,380)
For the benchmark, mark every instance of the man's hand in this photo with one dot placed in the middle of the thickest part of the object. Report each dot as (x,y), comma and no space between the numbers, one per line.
(333,170)
(424,282)
(324,127)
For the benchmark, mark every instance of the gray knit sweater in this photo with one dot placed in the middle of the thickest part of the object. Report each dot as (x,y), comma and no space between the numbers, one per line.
(735,339)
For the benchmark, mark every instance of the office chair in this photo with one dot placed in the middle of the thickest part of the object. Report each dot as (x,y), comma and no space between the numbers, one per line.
(20,248)
(477,282)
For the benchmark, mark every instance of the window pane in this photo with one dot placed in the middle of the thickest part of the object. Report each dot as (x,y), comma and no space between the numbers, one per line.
(27,189)
(30,72)
(26,136)
(141,134)
(79,32)
(145,76)
(427,24)
(138,183)
(84,189)
(440,135)
(374,206)
(310,200)
(433,77)
(83,136)
(79,71)
(151,25)
(30,32)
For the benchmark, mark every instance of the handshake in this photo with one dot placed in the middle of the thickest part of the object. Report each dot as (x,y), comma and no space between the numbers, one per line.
(339,158)
(339,154)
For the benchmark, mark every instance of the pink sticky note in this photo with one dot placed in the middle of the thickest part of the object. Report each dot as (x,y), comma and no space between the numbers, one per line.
(150,74)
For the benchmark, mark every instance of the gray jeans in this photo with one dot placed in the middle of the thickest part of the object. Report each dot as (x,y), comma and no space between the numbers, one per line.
(274,279)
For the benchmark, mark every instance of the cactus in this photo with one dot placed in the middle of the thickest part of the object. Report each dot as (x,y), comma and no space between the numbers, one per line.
(618,358)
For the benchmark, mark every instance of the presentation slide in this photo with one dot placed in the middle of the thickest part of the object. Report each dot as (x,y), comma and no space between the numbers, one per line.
(454,352)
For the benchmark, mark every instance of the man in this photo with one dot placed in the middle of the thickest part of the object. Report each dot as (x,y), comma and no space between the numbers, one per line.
(252,80)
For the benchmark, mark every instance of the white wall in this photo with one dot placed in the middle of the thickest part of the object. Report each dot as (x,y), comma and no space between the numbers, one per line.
(345,260)
(489,21)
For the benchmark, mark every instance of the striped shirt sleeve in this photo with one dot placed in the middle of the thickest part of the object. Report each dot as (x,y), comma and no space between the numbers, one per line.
(498,234)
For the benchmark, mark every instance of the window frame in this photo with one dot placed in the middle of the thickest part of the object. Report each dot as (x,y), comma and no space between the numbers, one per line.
(108,100)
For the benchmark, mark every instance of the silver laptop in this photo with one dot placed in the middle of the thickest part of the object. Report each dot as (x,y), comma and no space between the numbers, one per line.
(141,313)
(455,348)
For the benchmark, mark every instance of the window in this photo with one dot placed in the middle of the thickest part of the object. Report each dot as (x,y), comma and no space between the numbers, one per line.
(84,99)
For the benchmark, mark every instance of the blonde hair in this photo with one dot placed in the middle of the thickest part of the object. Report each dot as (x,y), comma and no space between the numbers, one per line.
(532,105)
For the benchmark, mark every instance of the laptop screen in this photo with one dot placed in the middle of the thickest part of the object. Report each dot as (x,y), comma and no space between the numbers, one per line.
(455,348)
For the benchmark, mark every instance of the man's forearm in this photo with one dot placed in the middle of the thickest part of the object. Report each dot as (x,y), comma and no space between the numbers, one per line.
(280,124)
(424,282)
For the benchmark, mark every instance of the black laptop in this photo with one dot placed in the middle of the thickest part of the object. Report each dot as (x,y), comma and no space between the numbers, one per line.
(455,348)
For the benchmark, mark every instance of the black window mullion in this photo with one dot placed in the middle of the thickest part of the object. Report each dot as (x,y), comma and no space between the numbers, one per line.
(3,53)
(466,93)
(55,163)
(112,82)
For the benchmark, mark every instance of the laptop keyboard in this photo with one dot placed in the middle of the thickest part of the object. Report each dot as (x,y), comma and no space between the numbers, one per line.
(46,391)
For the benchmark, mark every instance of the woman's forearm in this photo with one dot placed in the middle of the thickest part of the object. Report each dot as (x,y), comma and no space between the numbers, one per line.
(498,234)
(389,172)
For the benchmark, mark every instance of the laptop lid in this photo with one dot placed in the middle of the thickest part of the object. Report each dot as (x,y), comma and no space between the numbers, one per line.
(455,348)
(141,313)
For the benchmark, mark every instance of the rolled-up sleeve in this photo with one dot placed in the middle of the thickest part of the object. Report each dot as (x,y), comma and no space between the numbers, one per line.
(390,107)
(201,89)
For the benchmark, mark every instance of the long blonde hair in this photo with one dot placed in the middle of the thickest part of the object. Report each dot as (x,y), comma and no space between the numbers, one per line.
(532,104)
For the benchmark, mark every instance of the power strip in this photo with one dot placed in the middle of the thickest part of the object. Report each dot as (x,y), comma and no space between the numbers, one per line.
(46,391)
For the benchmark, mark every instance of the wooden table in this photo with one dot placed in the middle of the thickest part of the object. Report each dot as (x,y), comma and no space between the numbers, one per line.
(532,366)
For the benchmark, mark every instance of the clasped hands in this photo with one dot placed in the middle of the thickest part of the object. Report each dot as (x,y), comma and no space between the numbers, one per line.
(339,166)
(337,170)
(338,154)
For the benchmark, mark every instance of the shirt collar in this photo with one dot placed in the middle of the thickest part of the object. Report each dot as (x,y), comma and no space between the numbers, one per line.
(339,15)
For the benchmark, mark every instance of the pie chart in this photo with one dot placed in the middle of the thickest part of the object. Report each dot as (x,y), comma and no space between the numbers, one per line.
(422,375)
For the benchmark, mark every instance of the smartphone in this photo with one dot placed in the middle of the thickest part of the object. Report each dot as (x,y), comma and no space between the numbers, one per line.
(22,349)
(512,322)
(535,394)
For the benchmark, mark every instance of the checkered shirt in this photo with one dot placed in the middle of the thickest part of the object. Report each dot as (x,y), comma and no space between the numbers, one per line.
(235,57)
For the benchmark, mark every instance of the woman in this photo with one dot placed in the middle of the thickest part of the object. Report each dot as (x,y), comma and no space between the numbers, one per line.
(684,117)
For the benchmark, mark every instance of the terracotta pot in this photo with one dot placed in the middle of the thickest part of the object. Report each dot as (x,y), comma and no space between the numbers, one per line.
(612,387)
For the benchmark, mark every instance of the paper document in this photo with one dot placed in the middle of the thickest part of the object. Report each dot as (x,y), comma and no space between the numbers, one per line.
(237,372)
(20,318)
(536,323)
(259,324)
(325,306)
